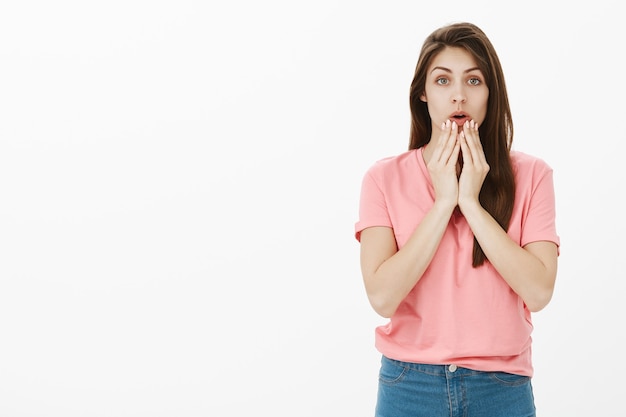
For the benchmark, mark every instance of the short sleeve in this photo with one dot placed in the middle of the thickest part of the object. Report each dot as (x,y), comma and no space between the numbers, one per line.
(372,206)
(540,222)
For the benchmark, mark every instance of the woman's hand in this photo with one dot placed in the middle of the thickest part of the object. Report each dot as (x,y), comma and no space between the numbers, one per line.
(442,165)
(475,167)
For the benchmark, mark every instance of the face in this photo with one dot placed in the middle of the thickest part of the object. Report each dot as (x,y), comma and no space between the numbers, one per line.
(455,89)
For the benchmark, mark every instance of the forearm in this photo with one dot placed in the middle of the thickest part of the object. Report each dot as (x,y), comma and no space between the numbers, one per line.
(396,276)
(524,272)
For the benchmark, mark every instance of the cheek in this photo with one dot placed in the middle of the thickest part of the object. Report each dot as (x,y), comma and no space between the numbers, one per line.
(480,116)
(437,110)
(480,111)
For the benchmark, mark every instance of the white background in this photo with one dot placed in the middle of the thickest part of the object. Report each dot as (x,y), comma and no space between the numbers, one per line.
(179,182)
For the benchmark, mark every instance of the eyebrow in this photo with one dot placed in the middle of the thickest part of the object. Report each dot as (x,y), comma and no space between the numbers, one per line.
(449,70)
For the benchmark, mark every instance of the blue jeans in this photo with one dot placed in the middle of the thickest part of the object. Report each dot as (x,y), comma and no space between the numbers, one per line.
(417,390)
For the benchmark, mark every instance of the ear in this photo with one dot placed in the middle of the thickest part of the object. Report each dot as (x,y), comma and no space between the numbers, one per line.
(423,97)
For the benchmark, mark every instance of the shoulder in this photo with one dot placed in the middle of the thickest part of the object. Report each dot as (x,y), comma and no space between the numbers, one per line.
(531,172)
(525,164)
(393,165)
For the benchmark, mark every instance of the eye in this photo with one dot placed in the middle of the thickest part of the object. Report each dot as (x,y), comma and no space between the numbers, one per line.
(442,81)
(474,81)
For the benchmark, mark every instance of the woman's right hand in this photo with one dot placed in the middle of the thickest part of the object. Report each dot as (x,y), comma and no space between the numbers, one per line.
(442,165)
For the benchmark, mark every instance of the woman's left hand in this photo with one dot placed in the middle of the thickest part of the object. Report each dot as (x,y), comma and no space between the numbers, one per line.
(475,167)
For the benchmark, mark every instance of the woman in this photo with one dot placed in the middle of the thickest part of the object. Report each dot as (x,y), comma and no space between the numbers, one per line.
(458,242)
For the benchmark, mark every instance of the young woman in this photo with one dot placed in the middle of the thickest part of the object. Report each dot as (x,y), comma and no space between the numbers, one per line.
(458,242)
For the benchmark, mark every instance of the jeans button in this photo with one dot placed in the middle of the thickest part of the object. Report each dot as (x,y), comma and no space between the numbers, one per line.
(452,368)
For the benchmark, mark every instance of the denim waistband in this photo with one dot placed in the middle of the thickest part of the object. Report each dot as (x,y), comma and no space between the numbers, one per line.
(437,370)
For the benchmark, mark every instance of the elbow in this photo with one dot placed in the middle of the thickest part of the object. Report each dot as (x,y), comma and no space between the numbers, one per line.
(384,313)
(539,301)
(382,307)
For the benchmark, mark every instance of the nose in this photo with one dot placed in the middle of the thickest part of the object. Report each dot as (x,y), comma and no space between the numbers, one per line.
(458,95)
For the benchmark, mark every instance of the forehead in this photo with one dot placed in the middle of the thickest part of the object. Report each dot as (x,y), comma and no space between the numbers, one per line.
(453,59)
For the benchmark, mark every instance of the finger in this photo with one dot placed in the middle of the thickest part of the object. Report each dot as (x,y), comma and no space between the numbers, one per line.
(468,157)
(451,145)
(470,130)
(454,156)
(474,143)
(438,146)
(445,142)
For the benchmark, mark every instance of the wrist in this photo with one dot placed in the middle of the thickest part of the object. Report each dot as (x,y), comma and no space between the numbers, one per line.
(470,207)
(444,206)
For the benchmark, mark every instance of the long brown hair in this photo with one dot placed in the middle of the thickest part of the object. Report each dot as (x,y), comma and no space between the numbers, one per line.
(496,132)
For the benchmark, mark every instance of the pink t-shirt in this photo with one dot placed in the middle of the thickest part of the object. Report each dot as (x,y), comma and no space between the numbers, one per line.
(456,313)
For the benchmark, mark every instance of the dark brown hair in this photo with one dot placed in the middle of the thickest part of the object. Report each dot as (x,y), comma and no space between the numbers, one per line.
(496,132)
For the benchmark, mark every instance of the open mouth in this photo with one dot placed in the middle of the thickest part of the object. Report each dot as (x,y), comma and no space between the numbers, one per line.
(459,118)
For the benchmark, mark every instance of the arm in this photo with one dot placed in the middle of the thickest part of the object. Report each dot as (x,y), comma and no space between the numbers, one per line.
(389,274)
(530,270)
